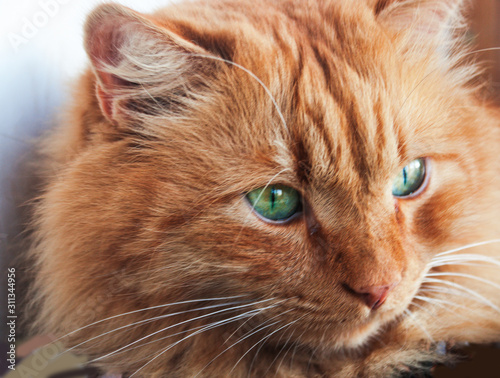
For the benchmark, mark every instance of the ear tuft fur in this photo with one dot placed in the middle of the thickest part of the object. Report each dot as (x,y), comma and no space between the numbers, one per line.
(426,21)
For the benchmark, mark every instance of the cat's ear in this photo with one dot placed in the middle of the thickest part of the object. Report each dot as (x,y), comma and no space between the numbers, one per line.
(424,21)
(140,66)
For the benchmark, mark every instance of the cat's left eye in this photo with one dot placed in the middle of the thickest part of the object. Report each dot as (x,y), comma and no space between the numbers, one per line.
(276,203)
(410,179)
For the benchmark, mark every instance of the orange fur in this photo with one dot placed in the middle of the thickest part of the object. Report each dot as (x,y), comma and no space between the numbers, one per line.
(184,111)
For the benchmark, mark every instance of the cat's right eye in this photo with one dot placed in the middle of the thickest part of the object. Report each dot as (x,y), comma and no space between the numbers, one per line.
(276,203)
(410,179)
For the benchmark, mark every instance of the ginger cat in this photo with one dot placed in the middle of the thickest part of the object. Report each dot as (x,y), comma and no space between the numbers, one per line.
(272,188)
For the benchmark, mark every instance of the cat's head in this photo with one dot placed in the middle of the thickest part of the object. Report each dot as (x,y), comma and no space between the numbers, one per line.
(308,157)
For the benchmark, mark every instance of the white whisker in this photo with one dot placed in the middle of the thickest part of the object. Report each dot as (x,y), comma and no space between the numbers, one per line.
(250,314)
(469,246)
(284,355)
(278,354)
(208,327)
(471,276)
(255,356)
(261,83)
(167,337)
(237,329)
(313,353)
(459,293)
(274,359)
(180,323)
(422,308)
(149,321)
(243,338)
(146,309)
(482,50)
(444,290)
(265,338)
(443,304)
(483,300)
(266,321)
(439,301)
(237,342)
(297,344)
(462,258)
(419,325)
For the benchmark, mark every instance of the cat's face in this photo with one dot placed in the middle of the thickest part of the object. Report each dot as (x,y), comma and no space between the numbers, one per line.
(367,126)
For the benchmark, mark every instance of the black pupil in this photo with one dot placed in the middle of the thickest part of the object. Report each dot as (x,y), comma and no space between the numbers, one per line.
(273,197)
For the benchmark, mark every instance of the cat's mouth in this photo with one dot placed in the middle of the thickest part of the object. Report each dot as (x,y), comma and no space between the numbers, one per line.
(362,328)
(349,335)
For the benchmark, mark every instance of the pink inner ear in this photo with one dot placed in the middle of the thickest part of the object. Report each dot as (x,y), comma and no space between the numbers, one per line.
(103,46)
(429,18)
(104,38)
(105,102)
(106,32)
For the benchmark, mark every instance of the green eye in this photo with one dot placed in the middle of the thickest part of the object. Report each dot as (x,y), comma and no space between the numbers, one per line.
(410,179)
(275,202)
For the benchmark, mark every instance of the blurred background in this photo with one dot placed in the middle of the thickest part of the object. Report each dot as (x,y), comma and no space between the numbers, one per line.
(485,30)
(482,361)
(41,51)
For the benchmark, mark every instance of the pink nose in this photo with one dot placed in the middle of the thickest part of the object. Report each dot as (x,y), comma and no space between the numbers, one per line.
(373,296)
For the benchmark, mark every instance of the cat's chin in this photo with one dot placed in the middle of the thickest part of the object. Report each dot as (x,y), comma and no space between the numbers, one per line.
(359,336)
(354,340)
